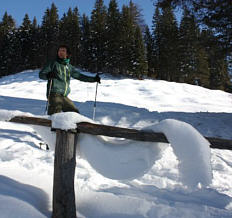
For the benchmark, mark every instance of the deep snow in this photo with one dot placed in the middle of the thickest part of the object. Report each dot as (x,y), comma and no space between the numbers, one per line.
(115,177)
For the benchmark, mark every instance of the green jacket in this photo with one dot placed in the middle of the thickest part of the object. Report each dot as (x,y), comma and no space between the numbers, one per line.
(64,72)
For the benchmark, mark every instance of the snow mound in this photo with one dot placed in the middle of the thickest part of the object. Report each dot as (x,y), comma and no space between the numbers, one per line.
(191,149)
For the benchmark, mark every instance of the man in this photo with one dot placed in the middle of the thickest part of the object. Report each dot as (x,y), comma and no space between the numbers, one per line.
(58,73)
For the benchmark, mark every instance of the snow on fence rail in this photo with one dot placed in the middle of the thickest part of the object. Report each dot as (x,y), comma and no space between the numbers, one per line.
(65,156)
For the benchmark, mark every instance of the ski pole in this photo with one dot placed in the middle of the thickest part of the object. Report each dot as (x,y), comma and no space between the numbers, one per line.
(95,101)
(49,92)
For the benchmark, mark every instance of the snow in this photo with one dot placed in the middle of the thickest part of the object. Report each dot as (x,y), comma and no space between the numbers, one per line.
(117,177)
(68,120)
(23,197)
(191,149)
(6,115)
(125,160)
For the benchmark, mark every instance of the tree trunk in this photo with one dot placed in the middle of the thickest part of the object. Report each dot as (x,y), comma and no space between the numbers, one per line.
(64,171)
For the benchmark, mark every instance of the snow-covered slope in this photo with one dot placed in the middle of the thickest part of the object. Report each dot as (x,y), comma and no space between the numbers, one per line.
(155,180)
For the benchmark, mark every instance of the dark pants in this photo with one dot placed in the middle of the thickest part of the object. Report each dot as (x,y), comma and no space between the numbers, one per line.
(59,103)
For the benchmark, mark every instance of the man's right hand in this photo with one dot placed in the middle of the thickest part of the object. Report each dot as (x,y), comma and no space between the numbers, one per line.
(51,75)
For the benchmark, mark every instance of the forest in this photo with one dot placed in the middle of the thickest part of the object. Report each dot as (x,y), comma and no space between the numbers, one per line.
(195,50)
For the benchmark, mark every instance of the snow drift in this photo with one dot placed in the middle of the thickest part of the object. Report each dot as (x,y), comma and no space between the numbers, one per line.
(127,160)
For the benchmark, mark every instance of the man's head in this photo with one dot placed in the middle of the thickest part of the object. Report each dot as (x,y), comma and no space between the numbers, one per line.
(63,52)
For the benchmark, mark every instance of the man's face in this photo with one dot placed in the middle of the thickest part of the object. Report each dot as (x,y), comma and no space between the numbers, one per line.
(62,53)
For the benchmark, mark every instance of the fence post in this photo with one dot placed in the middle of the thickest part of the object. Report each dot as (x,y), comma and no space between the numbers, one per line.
(64,171)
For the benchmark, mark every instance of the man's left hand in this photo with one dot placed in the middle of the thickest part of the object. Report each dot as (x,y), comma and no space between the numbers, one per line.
(97,78)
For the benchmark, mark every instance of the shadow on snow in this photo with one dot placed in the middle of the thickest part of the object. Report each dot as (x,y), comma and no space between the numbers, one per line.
(208,124)
(36,197)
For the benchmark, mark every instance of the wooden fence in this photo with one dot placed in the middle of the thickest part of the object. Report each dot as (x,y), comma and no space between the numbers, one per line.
(65,156)
(139,135)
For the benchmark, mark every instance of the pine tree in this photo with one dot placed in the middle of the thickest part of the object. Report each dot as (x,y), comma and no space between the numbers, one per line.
(70,33)
(149,45)
(202,75)
(167,46)
(214,15)
(189,34)
(132,51)
(25,37)
(113,38)
(7,42)
(98,36)
(127,27)
(220,79)
(156,38)
(7,25)
(137,15)
(217,16)
(35,57)
(140,64)
(86,49)
(219,76)
(49,33)
(194,55)
(76,37)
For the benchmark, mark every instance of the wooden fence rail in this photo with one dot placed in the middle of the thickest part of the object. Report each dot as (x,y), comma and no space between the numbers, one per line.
(139,135)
